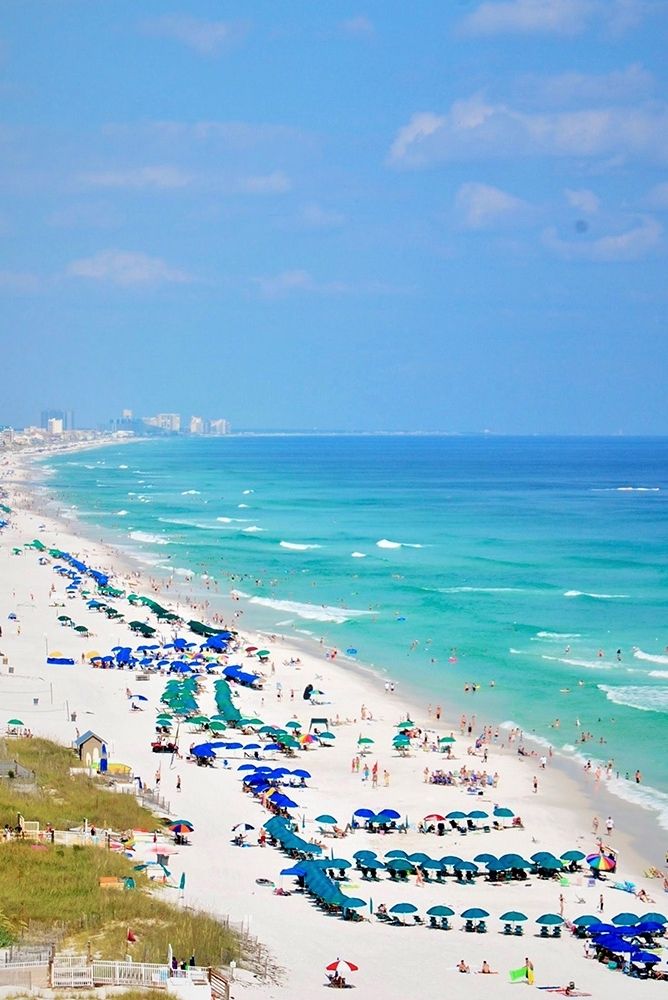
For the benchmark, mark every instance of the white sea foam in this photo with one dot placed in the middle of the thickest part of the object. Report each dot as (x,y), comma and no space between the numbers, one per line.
(297,546)
(190,493)
(385,543)
(644,699)
(358,555)
(121,513)
(311,612)
(598,664)
(626,489)
(598,597)
(146,536)
(252,529)
(639,654)
(242,506)
(560,636)
(122,466)
(480,590)
(246,492)
(232,520)
(183,571)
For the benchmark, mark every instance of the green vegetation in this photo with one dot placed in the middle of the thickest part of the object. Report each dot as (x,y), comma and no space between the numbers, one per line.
(50,891)
(61,799)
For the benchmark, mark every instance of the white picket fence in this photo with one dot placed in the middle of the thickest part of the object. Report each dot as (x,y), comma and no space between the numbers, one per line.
(72,971)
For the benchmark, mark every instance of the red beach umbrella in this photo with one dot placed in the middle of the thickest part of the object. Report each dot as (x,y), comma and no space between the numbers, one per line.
(434,818)
(342,966)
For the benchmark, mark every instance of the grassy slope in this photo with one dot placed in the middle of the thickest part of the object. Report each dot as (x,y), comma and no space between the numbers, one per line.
(54,889)
(61,799)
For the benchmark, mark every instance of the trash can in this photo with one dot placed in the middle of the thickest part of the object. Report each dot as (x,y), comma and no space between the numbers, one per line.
(35,701)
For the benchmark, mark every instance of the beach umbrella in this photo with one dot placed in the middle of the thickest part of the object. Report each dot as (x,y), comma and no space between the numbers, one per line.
(586,920)
(625,919)
(501,812)
(15,722)
(654,917)
(550,919)
(601,862)
(364,813)
(181,827)
(389,814)
(549,864)
(353,903)
(326,819)
(358,855)
(397,854)
(484,858)
(475,913)
(645,956)
(456,814)
(327,736)
(440,911)
(517,861)
(301,773)
(451,861)
(374,864)
(541,856)
(263,652)
(478,814)
(467,866)
(419,858)
(246,767)
(295,870)
(649,927)
(342,966)
(399,865)
(365,741)
(513,916)
(138,697)
(243,826)
(293,724)
(434,818)
(572,856)
(497,866)
(185,822)
(217,727)
(431,865)
(407,724)
(403,908)
(339,863)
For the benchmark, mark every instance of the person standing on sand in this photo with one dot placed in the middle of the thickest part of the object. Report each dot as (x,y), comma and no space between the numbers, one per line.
(438,713)
(529,971)
(535,784)
(561,904)
(600,903)
(178,782)
(594,825)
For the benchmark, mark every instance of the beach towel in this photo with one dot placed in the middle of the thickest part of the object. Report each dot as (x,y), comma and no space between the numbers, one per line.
(518,975)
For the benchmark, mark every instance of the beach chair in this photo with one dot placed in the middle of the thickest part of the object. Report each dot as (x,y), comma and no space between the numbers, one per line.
(445,924)
(544,932)
(519,930)
(556,931)
(433,922)
(507,929)
(418,919)
(468,927)
(481,927)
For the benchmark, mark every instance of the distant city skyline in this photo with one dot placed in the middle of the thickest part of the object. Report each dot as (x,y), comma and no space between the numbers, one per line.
(427,217)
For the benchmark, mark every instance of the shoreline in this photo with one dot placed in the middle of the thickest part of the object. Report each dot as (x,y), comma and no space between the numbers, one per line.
(558,817)
(646,839)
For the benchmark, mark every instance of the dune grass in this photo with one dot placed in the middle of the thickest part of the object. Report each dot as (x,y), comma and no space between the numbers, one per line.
(61,799)
(51,892)
(56,889)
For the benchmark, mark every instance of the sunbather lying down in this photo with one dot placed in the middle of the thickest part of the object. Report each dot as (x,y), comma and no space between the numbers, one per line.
(565,991)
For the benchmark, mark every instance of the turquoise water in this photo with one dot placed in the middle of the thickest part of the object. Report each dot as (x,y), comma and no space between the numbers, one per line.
(443,561)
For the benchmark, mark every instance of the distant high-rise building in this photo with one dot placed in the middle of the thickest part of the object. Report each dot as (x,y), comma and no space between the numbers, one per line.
(197,425)
(66,416)
(54,425)
(169,422)
(219,427)
(126,415)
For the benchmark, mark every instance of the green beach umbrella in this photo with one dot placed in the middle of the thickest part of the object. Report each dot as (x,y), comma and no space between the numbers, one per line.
(327,736)
(365,741)
(550,920)
(217,727)
(15,722)
(199,720)
(326,819)
(513,916)
(263,653)
(440,911)
(293,724)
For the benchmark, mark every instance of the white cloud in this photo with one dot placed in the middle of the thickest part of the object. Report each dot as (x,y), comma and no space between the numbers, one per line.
(554,17)
(658,196)
(298,280)
(619,86)
(19,281)
(360,26)
(477,128)
(562,17)
(314,216)
(162,178)
(584,200)
(632,244)
(275,183)
(127,268)
(205,37)
(481,205)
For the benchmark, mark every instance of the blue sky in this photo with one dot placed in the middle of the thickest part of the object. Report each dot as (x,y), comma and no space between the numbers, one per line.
(426,216)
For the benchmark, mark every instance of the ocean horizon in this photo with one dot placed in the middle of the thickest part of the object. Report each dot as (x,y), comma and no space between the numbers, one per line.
(517,579)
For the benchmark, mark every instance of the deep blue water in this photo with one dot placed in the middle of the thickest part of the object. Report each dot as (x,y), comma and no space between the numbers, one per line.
(519,561)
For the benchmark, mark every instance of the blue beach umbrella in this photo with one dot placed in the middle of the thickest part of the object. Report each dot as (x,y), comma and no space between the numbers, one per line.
(513,916)
(484,858)
(625,919)
(389,814)
(398,853)
(358,855)
(586,920)
(550,920)
(440,911)
(573,856)
(658,917)
(326,819)
(475,913)
(353,903)
(364,813)
(403,908)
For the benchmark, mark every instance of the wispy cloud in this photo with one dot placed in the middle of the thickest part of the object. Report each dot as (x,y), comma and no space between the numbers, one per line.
(314,216)
(205,37)
(553,17)
(478,128)
(274,183)
(636,242)
(22,282)
(302,281)
(160,178)
(562,17)
(127,268)
(480,206)
(584,200)
(618,87)
(359,27)
(657,197)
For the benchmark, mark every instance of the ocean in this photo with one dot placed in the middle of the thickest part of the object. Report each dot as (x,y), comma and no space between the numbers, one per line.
(530,571)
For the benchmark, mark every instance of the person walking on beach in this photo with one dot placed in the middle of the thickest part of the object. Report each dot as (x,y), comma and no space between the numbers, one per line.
(594,825)
(609,825)
(535,784)
(178,782)
(561,904)
(600,903)
(438,713)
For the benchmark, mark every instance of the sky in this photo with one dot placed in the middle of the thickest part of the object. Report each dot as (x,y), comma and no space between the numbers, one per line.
(429,216)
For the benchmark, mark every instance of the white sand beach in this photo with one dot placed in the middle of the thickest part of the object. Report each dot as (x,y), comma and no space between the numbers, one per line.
(406,961)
